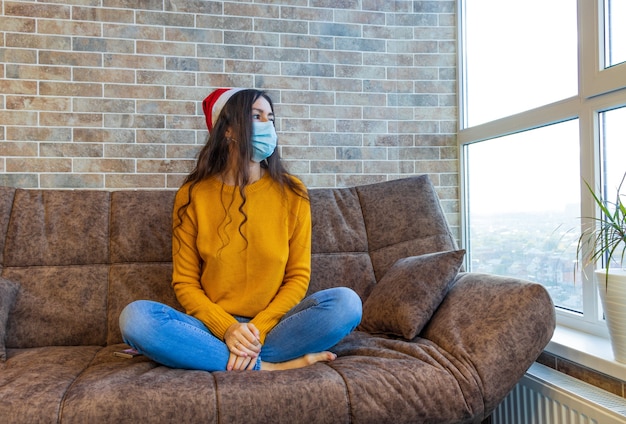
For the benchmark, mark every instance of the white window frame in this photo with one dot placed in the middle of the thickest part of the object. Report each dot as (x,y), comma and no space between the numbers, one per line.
(599,89)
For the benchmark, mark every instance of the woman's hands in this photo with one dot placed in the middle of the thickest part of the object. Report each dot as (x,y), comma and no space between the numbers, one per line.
(243,341)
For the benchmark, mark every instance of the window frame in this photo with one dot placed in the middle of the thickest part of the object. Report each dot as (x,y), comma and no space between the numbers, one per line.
(599,89)
(596,79)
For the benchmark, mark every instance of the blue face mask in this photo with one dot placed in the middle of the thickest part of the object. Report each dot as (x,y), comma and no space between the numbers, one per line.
(263,140)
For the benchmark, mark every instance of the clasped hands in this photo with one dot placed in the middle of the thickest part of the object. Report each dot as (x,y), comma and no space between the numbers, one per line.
(243,341)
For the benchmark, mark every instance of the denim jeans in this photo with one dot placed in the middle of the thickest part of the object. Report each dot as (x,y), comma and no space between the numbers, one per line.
(178,340)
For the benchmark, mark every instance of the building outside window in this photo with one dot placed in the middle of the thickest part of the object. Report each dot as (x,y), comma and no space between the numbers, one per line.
(542,110)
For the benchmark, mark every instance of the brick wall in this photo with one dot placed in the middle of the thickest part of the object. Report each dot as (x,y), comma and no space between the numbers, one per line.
(106,93)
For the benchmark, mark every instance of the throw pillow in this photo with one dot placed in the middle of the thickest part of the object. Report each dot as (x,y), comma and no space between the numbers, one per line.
(8,293)
(405,298)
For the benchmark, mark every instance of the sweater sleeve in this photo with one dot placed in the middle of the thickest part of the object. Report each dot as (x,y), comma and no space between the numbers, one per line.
(297,272)
(187,269)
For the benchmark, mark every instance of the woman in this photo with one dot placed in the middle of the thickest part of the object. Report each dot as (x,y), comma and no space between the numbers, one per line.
(241,258)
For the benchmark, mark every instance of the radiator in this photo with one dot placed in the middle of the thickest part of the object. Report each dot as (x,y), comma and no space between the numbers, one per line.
(546,396)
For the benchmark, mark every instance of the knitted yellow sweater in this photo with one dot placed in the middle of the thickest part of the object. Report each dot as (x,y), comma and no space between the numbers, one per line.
(218,274)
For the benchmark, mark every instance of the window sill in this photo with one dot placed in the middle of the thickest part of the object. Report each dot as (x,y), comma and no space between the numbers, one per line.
(588,350)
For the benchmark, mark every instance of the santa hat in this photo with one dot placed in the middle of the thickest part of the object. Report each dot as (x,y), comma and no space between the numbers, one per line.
(213,103)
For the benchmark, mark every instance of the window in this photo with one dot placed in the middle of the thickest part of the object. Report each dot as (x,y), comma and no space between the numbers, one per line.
(522,211)
(613,138)
(543,109)
(615,32)
(502,72)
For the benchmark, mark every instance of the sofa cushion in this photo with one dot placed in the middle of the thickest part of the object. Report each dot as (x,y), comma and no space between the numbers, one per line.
(8,293)
(400,381)
(409,293)
(499,324)
(313,394)
(134,281)
(58,227)
(337,221)
(34,382)
(141,226)
(403,218)
(120,390)
(353,270)
(339,249)
(58,306)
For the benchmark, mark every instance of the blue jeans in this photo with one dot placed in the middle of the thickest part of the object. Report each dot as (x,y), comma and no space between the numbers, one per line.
(178,340)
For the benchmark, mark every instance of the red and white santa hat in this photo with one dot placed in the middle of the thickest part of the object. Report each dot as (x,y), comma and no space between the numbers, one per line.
(213,103)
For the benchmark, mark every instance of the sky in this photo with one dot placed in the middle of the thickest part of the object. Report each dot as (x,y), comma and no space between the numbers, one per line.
(544,164)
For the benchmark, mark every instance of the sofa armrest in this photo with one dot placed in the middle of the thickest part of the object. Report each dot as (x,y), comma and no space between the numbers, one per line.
(494,325)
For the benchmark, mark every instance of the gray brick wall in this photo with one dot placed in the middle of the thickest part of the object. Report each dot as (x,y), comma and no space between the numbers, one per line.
(107,93)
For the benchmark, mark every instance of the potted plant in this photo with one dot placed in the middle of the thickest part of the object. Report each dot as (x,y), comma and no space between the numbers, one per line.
(605,243)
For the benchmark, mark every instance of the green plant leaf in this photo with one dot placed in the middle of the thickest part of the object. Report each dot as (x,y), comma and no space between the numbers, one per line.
(607,235)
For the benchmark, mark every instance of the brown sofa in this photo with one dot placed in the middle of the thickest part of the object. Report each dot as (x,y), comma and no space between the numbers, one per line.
(434,346)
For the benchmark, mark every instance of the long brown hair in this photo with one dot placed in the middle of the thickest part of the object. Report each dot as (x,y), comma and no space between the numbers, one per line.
(214,157)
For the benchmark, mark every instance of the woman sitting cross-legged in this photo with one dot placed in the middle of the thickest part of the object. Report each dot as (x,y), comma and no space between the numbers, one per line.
(241,254)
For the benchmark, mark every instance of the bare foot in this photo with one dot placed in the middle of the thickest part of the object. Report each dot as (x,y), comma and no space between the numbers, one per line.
(301,362)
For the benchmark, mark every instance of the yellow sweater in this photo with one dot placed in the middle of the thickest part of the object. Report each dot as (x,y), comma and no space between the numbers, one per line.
(217,275)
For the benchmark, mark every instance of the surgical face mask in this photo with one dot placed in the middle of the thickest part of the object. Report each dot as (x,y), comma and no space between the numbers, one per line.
(263,140)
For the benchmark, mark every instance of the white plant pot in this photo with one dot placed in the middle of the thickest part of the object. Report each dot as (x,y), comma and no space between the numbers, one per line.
(614,303)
